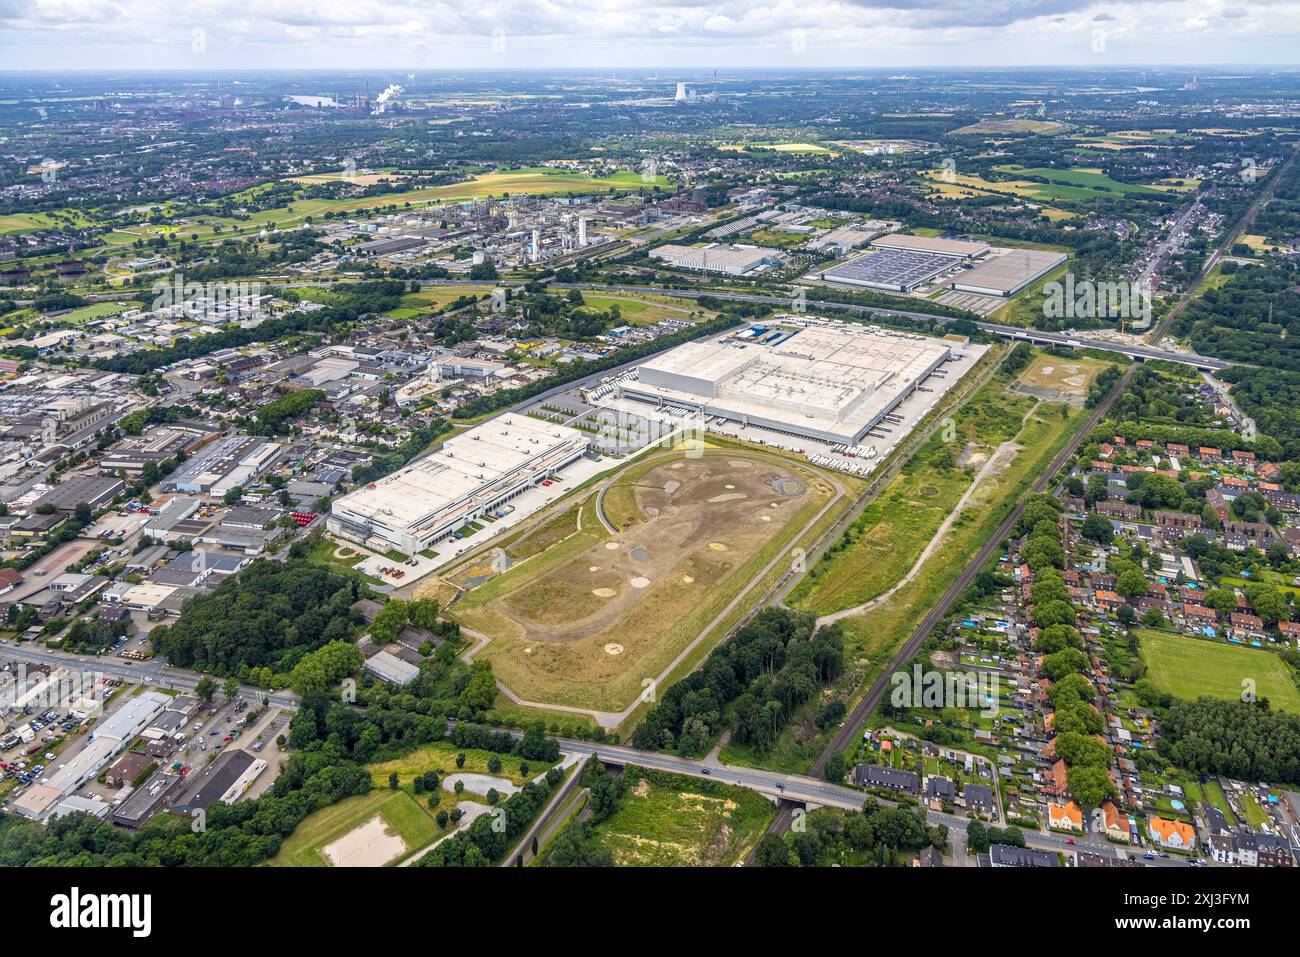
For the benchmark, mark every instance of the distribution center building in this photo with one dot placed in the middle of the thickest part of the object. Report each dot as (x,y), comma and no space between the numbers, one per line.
(822,382)
(470,476)
(1009,273)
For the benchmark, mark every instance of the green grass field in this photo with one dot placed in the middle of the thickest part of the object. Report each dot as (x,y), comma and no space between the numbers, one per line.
(440,756)
(666,820)
(644,311)
(894,530)
(400,811)
(98,310)
(872,637)
(1189,667)
(1086,183)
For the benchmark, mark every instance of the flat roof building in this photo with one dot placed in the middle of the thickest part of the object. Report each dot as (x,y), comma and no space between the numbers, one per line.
(720,258)
(105,740)
(959,248)
(95,490)
(894,270)
(392,668)
(467,477)
(224,465)
(824,382)
(226,780)
(1007,274)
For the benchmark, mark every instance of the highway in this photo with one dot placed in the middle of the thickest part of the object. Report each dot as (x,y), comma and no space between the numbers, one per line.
(1017,333)
(1142,352)
(851,728)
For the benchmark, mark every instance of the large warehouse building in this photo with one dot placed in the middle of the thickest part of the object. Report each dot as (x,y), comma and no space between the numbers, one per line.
(894,270)
(470,476)
(1009,273)
(823,382)
(901,263)
(720,258)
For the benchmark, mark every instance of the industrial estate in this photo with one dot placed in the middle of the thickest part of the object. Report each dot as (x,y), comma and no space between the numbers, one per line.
(696,469)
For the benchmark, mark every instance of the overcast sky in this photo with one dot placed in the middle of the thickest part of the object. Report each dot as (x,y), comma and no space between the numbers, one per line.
(169,34)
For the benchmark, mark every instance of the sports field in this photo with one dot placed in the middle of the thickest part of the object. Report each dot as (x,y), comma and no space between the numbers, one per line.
(369,830)
(582,622)
(1189,667)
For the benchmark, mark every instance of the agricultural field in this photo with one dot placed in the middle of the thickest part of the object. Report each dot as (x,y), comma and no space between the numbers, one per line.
(776,147)
(368,830)
(666,820)
(647,310)
(584,621)
(1189,667)
(1257,243)
(1065,183)
(959,186)
(1037,127)
(540,180)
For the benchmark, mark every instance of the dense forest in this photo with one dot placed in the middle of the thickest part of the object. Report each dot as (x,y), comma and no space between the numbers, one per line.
(1246,741)
(269,615)
(752,684)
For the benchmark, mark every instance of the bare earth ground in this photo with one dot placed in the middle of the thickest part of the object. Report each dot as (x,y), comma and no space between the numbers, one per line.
(619,607)
(373,844)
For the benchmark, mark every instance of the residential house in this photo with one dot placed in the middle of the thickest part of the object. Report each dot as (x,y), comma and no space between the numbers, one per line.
(1174,835)
(1065,817)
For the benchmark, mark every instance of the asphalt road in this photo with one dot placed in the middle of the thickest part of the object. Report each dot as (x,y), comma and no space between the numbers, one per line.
(1018,333)
(149,671)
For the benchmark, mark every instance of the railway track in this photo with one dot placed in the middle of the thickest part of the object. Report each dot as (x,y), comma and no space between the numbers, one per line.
(852,726)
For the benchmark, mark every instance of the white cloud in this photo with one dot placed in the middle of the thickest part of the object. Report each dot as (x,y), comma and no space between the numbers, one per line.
(630,33)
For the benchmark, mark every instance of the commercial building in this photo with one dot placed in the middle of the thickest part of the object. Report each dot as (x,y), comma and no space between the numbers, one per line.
(104,741)
(226,780)
(720,258)
(147,800)
(392,668)
(823,381)
(894,270)
(224,465)
(1007,274)
(95,490)
(471,475)
(956,248)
